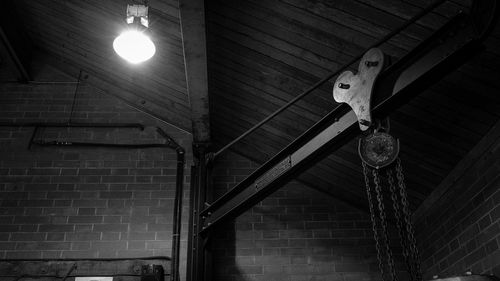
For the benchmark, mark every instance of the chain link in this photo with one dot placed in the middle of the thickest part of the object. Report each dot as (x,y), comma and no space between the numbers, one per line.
(399,223)
(407,217)
(383,222)
(374,220)
(402,214)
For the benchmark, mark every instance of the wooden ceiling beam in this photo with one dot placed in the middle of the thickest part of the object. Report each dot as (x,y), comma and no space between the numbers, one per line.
(192,17)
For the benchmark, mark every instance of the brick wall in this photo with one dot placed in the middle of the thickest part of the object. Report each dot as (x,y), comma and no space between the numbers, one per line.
(295,234)
(83,202)
(461,231)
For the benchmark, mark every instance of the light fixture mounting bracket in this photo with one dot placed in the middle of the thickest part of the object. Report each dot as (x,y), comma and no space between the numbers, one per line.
(138,11)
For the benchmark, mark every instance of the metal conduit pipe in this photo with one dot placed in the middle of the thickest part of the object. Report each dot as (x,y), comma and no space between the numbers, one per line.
(89,259)
(179,190)
(179,184)
(72,125)
(99,144)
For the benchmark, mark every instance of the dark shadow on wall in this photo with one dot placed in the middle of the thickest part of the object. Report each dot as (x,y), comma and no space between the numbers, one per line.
(294,234)
(225,259)
(227,171)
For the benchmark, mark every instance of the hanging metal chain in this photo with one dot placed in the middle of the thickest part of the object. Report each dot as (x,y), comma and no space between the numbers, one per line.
(401,227)
(374,220)
(383,222)
(407,217)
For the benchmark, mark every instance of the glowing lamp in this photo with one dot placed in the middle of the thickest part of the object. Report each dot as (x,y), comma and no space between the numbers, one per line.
(133,44)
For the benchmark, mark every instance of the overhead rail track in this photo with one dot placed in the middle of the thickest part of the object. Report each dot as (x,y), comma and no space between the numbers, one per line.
(444,51)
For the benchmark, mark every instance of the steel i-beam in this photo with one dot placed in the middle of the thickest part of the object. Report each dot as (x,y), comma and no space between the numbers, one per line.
(444,51)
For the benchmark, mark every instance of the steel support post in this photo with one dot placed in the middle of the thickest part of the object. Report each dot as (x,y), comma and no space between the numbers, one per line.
(199,256)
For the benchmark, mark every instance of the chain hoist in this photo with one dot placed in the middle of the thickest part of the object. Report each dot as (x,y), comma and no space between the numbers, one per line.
(382,168)
(379,154)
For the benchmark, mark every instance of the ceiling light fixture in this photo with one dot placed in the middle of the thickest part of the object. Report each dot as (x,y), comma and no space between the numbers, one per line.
(133,44)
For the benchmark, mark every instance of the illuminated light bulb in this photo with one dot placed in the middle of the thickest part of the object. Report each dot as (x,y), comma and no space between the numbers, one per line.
(134,46)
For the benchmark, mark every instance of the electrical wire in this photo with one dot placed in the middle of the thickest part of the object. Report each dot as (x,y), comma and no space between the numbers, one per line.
(75,95)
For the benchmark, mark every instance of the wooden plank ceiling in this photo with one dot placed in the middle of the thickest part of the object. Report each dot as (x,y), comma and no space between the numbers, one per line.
(263,53)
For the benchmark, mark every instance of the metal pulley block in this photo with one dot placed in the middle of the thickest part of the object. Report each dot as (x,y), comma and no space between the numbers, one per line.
(356,90)
(378,149)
